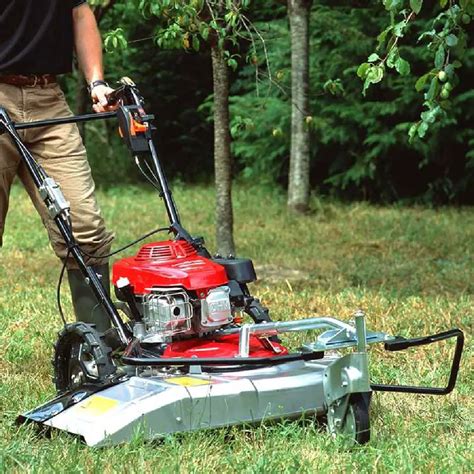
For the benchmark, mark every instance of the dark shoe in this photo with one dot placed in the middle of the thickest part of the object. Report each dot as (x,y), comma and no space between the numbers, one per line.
(112,339)
(86,305)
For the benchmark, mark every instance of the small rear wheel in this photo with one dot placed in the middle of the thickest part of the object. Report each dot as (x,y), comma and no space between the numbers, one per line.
(354,426)
(81,357)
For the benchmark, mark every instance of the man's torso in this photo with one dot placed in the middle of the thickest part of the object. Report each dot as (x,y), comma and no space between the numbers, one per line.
(36,36)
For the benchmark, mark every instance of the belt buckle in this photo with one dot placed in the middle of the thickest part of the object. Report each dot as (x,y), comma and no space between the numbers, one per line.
(36,80)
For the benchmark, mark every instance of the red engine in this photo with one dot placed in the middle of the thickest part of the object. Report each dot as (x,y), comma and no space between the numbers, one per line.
(170,264)
(181,297)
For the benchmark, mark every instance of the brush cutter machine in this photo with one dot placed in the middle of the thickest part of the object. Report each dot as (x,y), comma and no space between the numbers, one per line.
(183,358)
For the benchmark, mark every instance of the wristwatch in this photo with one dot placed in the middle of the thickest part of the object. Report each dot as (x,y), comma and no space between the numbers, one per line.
(95,84)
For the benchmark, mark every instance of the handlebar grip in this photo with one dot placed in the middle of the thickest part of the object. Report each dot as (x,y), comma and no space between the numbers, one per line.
(113,97)
(120,93)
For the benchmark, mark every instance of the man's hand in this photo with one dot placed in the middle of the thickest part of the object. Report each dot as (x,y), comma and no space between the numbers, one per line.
(99,99)
(88,45)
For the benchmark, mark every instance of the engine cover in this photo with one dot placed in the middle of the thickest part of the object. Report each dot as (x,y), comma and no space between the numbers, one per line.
(169,264)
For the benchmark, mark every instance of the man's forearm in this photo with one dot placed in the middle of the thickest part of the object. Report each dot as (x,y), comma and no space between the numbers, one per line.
(88,43)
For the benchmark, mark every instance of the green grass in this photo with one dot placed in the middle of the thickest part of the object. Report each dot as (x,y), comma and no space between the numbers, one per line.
(410,269)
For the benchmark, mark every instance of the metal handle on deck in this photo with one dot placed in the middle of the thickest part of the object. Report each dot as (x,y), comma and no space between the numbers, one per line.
(400,344)
(286,326)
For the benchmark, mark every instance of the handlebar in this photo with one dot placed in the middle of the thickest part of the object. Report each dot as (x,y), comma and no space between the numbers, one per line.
(126,94)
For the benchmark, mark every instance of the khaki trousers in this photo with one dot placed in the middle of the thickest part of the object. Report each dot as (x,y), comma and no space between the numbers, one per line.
(61,153)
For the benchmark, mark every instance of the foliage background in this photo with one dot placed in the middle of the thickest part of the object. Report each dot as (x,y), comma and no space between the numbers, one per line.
(360,147)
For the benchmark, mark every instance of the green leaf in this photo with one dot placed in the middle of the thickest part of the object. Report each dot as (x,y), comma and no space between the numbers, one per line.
(374,57)
(422,129)
(383,36)
(412,132)
(205,33)
(449,70)
(393,5)
(362,70)
(443,3)
(421,82)
(334,87)
(439,57)
(416,5)
(427,34)
(429,116)
(399,29)
(433,90)
(393,57)
(402,67)
(373,76)
(232,63)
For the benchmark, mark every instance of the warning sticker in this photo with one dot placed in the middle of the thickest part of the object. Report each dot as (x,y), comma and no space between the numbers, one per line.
(188,381)
(97,405)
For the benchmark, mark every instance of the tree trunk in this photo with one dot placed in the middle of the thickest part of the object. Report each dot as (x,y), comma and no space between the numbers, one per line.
(298,183)
(222,155)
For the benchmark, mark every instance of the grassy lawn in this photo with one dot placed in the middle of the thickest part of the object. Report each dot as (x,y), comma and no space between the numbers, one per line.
(410,269)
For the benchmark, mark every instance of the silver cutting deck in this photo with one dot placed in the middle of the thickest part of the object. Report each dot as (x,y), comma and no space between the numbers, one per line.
(156,406)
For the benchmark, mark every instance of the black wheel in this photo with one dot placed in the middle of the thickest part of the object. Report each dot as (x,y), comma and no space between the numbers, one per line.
(81,356)
(357,422)
(355,427)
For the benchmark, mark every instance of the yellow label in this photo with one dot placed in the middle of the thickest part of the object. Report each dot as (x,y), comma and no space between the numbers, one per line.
(97,405)
(188,381)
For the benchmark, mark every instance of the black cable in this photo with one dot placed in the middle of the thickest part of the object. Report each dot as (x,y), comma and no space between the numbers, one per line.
(152,172)
(158,188)
(142,171)
(58,288)
(161,229)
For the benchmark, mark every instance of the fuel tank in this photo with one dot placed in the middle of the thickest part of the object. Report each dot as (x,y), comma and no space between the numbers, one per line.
(169,264)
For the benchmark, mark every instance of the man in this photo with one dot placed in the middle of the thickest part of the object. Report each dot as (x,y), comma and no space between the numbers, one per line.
(37,39)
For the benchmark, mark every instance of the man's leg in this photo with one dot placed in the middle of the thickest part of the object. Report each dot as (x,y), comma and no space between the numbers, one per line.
(10,100)
(60,151)
(7,175)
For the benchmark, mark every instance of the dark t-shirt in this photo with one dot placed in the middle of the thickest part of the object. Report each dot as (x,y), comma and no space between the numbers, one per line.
(36,36)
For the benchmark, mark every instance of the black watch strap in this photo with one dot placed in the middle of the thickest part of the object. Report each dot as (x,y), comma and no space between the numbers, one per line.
(95,84)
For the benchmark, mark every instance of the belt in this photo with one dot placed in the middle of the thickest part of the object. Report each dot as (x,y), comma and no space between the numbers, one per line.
(31,80)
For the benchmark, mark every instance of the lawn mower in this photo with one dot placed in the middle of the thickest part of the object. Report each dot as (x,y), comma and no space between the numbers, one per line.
(190,347)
